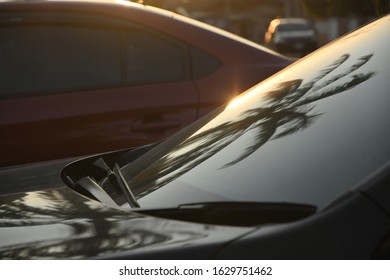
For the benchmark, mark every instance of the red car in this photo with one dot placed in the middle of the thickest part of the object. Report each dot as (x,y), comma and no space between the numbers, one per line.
(78,78)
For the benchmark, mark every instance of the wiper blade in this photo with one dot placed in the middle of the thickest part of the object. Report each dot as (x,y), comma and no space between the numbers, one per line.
(236,213)
(252,205)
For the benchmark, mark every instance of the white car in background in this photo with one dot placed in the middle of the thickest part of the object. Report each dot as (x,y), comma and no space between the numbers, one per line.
(291,35)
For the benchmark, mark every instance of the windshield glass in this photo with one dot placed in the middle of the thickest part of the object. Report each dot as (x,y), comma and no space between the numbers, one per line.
(294,27)
(306,135)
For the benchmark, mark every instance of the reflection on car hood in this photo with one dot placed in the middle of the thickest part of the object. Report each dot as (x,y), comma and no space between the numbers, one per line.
(32,177)
(62,224)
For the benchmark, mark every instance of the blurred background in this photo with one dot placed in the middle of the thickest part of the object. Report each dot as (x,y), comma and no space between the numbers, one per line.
(250,18)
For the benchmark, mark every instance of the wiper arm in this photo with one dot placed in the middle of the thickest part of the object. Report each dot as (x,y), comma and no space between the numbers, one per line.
(125,187)
(116,174)
(89,185)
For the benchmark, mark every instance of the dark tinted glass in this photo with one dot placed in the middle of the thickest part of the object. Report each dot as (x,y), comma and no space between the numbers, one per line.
(153,59)
(40,59)
(294,27)
(305,136)
(203,64)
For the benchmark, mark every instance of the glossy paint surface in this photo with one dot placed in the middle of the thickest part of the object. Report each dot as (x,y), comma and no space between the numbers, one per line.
(61,224)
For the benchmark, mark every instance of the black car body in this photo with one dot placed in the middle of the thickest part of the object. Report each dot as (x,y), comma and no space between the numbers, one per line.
(298,167)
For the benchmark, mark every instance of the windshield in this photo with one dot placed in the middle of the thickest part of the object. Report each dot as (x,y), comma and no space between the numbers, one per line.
(294,27)
(307,135)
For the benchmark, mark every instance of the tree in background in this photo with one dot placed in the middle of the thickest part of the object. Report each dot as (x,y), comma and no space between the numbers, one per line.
(325,8)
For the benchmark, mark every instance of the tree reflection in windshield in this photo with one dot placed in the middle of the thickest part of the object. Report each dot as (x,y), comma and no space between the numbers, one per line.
(287,109)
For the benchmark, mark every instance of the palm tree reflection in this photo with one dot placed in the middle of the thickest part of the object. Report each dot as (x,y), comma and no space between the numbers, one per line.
(60,224)
(287,108)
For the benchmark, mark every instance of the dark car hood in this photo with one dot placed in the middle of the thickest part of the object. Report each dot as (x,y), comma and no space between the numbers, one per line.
(60,223)
(32,177)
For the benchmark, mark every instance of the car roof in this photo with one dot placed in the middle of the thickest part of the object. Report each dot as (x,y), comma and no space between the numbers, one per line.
(292,20)
(90,2)
(135,7)
(37,1)
(281,21)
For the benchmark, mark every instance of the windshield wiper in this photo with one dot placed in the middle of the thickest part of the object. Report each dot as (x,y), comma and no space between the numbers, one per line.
(116,175)
(89,185)
(113,176)
(236,213)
